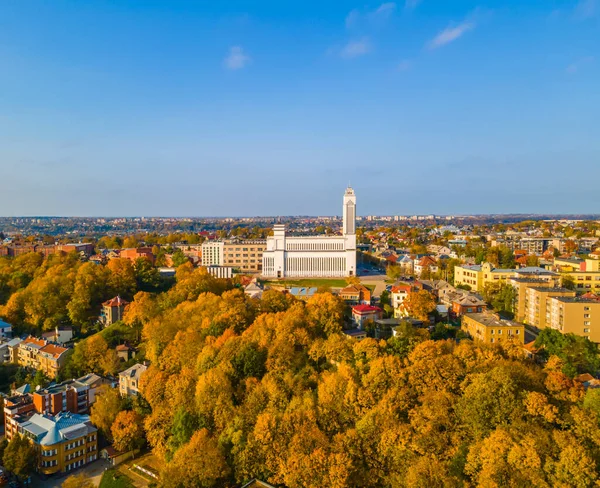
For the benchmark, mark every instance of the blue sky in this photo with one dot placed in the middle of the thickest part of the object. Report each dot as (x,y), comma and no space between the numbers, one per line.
(272,107)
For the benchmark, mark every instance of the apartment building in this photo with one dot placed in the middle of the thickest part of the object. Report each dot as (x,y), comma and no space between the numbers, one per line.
(16,408)
(41,355)
(75,396)
(213,253)
(129,380)
(520,286)
(489,328)
(64,442)
(585,273)
(477,276)
(245,256)
(576,315)
(536,311)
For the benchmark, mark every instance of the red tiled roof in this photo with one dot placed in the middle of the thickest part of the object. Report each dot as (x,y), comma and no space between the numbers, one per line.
(397,288)
(115,302)
(54,350)
(36,341)
(123,347)
(365,309)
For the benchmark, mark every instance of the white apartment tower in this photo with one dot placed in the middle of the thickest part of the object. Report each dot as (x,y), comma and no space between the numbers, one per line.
(314,256)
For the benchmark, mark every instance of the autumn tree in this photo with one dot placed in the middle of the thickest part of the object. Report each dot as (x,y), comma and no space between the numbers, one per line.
(127,431)
(325,312)
(105,409)
(189,469)
(419,304)
(122,280)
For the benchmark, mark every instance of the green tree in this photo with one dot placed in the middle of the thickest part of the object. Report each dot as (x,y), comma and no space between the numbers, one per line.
(20,456)
(179,258)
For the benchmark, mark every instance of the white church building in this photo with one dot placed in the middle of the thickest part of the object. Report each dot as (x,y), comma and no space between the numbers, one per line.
(314,256)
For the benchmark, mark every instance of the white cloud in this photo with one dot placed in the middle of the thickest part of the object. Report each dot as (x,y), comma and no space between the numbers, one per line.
(385,10)
(380,14)
(404,65)
(410,4)
(577,65)
(236,59)
(586,9)
(352,18)
(355,49)
(450,34)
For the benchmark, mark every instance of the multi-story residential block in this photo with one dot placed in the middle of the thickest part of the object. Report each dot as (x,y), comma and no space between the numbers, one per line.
(64,442)
(129,380)
(585,272)
(576,315)
(113,310)
(536,304)
(477,276)
(489,328)
(75,396)
(245,256)
(41,355)
(520,286)
(69,396)
(213,253)
(16,408)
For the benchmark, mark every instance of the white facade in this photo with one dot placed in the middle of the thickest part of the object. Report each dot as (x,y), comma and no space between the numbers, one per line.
(212,253)
(314,256)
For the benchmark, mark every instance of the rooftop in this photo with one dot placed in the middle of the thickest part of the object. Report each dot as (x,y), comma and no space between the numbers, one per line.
(365,308)
(554,289)
(577,300)
(48,430)
(491,320)
(135,371)
(115,302)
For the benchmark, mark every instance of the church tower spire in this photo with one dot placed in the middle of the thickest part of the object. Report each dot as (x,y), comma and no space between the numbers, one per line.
(349,212)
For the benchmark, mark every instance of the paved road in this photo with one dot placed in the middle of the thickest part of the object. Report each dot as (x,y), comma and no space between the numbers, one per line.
(94,471)
(377,279)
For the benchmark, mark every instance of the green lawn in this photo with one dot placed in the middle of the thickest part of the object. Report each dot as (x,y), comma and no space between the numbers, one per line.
(306,283)
(115,479)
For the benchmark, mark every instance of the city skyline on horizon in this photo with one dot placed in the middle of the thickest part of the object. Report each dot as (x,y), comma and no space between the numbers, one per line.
(192,108)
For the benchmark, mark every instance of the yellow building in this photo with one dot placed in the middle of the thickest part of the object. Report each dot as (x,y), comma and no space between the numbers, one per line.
(244,255)
(520,286)
(477,276)
(585,273)
(488,328)
(575,315)
(537,312)
(64,442)
(40,354)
